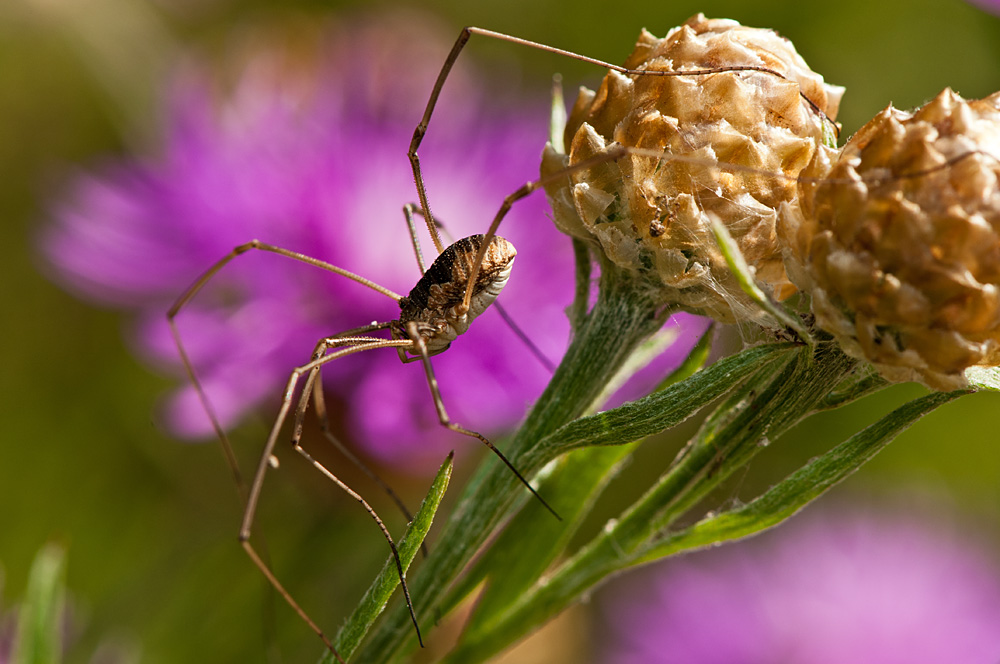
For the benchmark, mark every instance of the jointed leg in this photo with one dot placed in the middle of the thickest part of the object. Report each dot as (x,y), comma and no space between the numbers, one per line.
(200,282)
(408,211)
(458,428)
(314,386)
(359,344)
(189,369)
(319,403)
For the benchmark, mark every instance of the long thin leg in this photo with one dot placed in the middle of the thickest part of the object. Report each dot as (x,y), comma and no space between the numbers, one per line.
(251,497)
(206,404)
(312,380)
(466,34)
(319,403)
(408,211)
(274,249)
(421,348)
(193,290)
(314,387)
(265,462)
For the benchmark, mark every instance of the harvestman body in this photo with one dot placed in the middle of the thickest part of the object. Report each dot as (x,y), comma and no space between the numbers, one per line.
(460,284)
(434,308)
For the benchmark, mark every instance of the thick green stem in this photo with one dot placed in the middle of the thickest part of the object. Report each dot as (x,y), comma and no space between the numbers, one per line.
(623,316)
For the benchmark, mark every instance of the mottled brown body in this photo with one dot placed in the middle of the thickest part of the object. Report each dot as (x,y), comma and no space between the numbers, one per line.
(435,303)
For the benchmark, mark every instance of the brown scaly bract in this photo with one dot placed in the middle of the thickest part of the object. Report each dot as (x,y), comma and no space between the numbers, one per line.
(652,216)
(900,246)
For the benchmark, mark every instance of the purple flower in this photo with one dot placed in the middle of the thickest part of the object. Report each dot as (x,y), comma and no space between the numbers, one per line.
(989,5)
(824,590)
(312,157)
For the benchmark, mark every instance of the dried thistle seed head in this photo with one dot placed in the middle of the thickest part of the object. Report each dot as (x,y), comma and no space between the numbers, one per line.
(900,247)
(652,216)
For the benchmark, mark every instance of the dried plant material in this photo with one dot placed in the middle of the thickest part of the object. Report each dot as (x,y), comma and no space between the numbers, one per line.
(763,122)
(900,246)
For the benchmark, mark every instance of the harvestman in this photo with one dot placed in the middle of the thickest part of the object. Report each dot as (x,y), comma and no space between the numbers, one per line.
(460,284)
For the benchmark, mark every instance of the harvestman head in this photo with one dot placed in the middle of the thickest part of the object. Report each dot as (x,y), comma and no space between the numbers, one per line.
(460,284)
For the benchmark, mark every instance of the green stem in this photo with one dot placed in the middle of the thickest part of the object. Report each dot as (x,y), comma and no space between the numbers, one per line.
(623,316)
(764,407)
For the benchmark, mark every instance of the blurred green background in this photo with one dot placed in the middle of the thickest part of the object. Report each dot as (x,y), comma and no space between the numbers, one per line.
(155,573)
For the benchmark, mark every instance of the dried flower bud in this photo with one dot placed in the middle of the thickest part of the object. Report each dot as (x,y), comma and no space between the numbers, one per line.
(652,216)
(900,247)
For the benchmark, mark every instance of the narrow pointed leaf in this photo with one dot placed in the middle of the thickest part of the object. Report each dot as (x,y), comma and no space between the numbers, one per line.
(531,542)
(852,389)
(590,566)
(738,266)
(378,594)
(662,410)
(39,625)
(575,485)
(801,487)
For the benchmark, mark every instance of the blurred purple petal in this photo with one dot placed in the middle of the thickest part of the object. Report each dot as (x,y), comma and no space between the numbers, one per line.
(824,589)
(989,5)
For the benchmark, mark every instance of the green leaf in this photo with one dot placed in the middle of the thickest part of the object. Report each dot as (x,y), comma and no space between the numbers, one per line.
(662,410)
(853,388)
(575,483)
(378,594)
(801,487)
(693,363)
(745,278)
(726,441)
(534,539)
(39,628)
